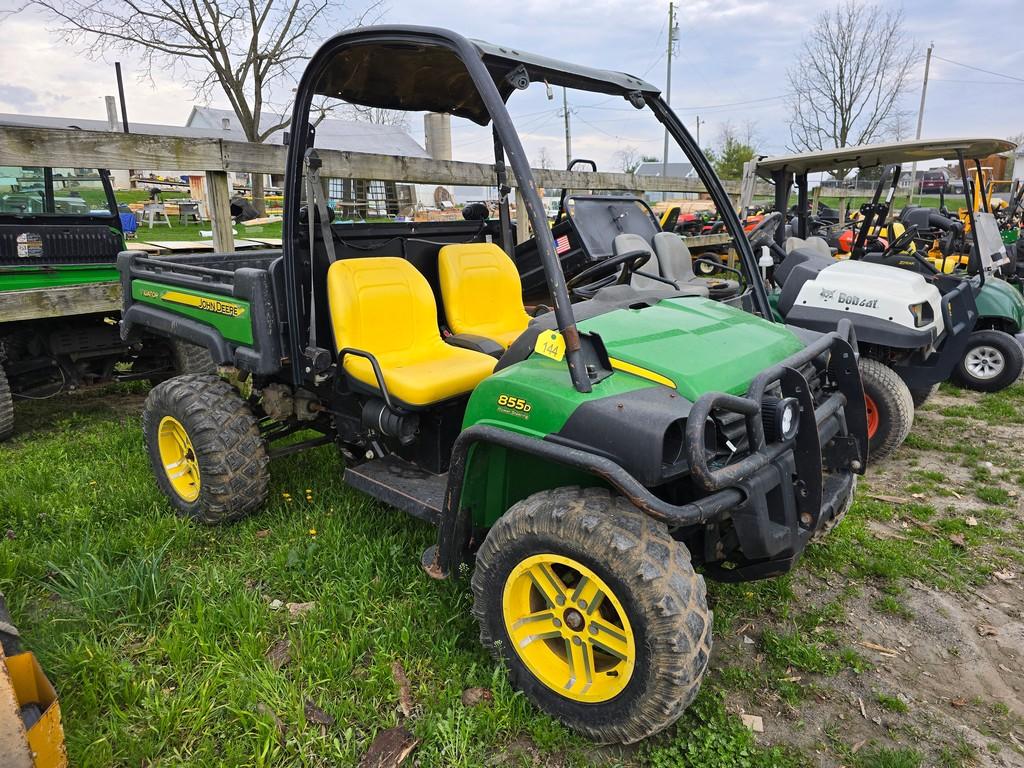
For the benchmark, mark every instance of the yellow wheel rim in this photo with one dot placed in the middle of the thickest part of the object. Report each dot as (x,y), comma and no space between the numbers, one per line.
(179,458)
(569,628)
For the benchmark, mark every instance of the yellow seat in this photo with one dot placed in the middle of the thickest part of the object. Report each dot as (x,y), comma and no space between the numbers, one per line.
(384,306)
(482,292)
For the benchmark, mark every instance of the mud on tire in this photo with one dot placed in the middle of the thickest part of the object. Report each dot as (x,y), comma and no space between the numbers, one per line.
(651,576)
(225,438)
(893,404)
(6,407)
(191,358)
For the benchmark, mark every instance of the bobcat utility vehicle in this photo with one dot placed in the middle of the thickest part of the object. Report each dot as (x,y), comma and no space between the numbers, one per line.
(584,460)
(60,234)
(916,326)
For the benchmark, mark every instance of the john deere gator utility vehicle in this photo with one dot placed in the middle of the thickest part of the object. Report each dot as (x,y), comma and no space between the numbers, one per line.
(916,325)
(60,234)
(585,460)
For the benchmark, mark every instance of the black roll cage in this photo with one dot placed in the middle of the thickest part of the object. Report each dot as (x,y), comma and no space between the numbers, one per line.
(877,211)
(479,60)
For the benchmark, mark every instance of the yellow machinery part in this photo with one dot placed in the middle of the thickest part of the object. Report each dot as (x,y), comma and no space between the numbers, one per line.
(22,682)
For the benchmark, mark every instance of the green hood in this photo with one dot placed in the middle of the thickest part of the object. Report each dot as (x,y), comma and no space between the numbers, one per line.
(701,345)
(999,299)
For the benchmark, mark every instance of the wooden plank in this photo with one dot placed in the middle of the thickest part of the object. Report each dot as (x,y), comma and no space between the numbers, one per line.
(704,241)
(65,147)
(271,241)
(182,246)
(218,193)
(147,247)
(40,303)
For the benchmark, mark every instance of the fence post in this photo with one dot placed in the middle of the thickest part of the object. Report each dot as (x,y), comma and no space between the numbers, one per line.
(219,202)
(522,218)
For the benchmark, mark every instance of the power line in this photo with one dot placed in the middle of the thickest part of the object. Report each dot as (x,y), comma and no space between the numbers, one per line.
(979,69)
(970,82)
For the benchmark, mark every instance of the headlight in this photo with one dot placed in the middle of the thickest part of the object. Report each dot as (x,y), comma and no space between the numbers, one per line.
(781,418)
(922,313)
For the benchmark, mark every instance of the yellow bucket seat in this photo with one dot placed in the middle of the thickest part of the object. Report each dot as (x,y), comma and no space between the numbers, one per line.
(482,292)
(384,306)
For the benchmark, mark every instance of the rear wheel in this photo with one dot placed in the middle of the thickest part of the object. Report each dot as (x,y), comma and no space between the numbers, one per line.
(596,611)
(205,448)
(890,408)
(6,407)
(191,358)
(993,361)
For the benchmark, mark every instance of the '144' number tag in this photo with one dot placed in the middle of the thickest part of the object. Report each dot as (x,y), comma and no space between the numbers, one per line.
(550,344)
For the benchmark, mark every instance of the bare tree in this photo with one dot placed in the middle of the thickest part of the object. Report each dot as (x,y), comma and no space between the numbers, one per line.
(379,115)
(250,49)
(629,158)
(544,159)
(850,76)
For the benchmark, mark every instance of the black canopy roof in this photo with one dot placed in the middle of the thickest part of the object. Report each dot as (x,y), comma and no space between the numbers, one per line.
(418,69)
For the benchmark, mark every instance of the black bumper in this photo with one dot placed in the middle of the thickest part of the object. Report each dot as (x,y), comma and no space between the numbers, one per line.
(789,489)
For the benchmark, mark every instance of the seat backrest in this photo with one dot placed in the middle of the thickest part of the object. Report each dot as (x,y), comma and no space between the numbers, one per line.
(674,257)
(380,304)
(481,289)
(627,242)
(813,243)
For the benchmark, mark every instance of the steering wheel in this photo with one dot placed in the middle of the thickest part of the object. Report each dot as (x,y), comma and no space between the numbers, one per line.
(630,261)
(764,232)
(904,240)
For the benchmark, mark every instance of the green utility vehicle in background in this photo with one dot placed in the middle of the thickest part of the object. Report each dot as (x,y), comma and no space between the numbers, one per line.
(585,458)
(60,296)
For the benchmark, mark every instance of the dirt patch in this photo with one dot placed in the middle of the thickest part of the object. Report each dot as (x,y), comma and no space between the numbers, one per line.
(944,671)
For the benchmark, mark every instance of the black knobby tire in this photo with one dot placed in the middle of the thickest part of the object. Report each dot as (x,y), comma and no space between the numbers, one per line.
(6,407)
(191,358)
(224,433)
(1005,361)
(887,393)
(10,640)
(648,572)
(921,396)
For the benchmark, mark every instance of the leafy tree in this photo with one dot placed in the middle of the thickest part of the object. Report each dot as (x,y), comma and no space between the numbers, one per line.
(732,150)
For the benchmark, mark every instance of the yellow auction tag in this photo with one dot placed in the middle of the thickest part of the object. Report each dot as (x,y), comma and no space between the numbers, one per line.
(550,344)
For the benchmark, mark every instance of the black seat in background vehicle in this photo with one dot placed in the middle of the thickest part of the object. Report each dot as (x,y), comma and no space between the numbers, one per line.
(799,266)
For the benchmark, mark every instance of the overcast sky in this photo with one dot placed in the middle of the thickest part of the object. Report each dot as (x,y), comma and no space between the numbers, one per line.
(731,67)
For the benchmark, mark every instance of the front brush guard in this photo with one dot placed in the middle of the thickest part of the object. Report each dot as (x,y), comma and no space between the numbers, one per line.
(818,425)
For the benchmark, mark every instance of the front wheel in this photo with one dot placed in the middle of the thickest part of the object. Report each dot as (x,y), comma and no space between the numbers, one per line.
(205,448)
(993,361)
(596,611)
(889,406)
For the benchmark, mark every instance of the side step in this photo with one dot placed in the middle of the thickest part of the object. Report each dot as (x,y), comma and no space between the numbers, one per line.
(402,485)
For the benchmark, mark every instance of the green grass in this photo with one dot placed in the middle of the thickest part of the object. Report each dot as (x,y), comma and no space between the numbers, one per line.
(891,703)
(156,630)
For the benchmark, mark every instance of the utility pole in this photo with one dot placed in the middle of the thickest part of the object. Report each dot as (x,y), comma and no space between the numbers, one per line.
(920,120)
(699,121)
(124,114)
(673,36)
(568,131)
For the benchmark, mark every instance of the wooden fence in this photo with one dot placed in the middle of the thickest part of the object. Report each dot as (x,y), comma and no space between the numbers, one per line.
(61,147)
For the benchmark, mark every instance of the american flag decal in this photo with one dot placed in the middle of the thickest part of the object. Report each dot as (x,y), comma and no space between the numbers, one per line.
(562,245)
